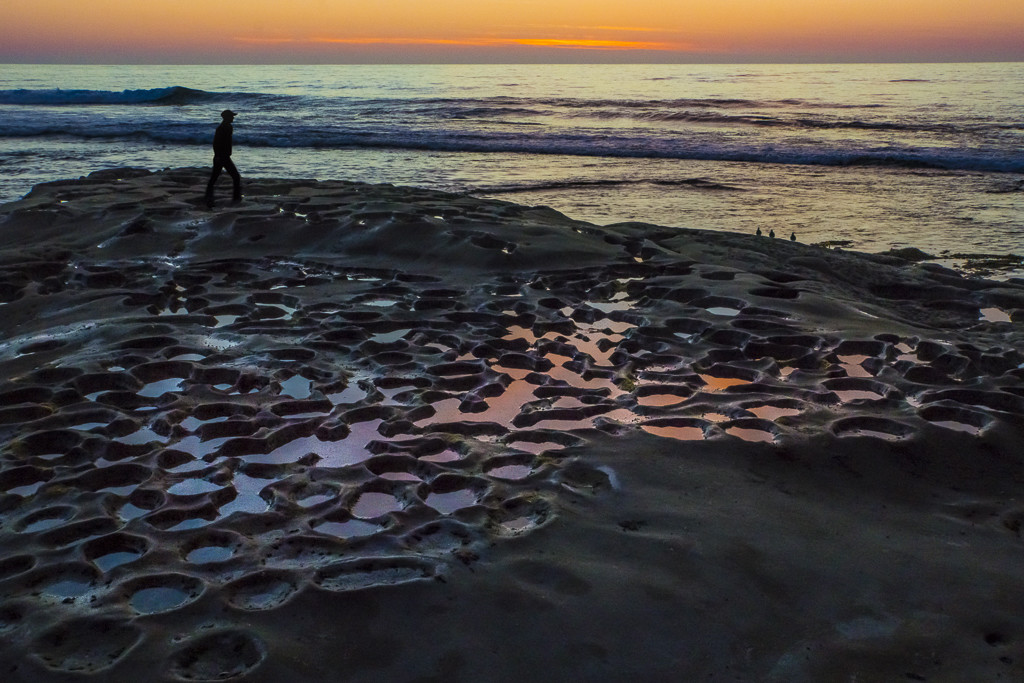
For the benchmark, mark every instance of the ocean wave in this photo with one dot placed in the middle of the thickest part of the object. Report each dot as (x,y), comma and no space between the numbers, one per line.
(573,104)
(688,116)
(696,183)
(595,143)
(174,95)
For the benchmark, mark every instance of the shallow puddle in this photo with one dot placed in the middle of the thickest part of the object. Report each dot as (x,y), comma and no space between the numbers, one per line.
(750,434)
(68,588)
(191,487)
(773,412)
(297,387)
(158,599)
(565,425)
(678,433)
(957,426)
(129,512)
(348,529)
(192,423)
(370,505)
(536,448)
(353,393)
(660,399)
(447,503)
(194,446)
(111,560)
(872,433)
(310,501)
(852,365)
(719,383)
(619,303)
(848,395)
(511,472)
(347,451)
(525,333)
(447,455)
(588,344)
(501,409)
(26,490)
(191,523)
(209,553)
(86,426)
(573,378)
(399,476)
(248,499)
(514,373)
(994,315)
(388,337)
(287,311)
(141,436)
(156,389)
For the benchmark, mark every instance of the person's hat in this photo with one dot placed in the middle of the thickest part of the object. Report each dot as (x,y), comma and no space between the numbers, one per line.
(226,113)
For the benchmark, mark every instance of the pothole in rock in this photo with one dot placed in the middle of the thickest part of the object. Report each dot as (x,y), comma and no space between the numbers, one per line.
(162,593)
(679,433)
(452,501)
(994,315)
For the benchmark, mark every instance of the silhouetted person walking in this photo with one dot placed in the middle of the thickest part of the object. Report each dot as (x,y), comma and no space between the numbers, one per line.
(222,158)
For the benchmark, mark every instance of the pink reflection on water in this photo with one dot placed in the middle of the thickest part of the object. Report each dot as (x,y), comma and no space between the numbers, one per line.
(678,433)
(447,503)
(750,434)
(531,447)
(720,383)
(372,504)
(659,399)
(767,412)
(852,365)
(856,394)
(501,409)
(525,333)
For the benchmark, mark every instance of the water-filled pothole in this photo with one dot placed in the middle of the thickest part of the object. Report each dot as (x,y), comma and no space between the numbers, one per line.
(209,553)
(678,433)
(447,503)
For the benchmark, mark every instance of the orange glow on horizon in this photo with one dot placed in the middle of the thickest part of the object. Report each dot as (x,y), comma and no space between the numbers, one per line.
(568,43)
(507,30)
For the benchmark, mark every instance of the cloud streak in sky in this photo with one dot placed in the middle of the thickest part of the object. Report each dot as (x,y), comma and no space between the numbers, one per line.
(564,43)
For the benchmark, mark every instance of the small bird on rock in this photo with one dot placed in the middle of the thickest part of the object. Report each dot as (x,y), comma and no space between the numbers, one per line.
(759,232)
(792,237)
(771,233)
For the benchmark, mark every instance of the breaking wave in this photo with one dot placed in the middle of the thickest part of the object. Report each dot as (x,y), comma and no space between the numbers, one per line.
(576,143)
(174,95)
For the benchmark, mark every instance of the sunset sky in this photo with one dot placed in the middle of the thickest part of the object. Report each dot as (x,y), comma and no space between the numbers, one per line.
(399,31)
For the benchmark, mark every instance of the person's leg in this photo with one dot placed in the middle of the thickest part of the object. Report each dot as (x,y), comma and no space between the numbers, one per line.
(236,178)
(217,166)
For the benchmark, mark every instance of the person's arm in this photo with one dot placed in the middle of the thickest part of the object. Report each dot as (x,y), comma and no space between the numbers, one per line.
(222,141)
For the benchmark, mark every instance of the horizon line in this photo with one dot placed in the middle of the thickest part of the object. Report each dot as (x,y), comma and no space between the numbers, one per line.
(523,63)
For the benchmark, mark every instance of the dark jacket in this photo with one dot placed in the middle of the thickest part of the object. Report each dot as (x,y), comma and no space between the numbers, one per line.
(222,140)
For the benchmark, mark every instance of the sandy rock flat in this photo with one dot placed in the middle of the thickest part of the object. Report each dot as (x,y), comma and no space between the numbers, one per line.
(348,432)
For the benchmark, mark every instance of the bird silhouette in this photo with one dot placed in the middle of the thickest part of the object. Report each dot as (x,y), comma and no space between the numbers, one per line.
(792,237)
(759,232)
(771,233)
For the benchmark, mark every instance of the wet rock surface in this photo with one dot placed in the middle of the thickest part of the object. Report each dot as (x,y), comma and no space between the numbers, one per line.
(196,439)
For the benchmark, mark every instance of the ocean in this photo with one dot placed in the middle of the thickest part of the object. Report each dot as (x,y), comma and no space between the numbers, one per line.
(868,156)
